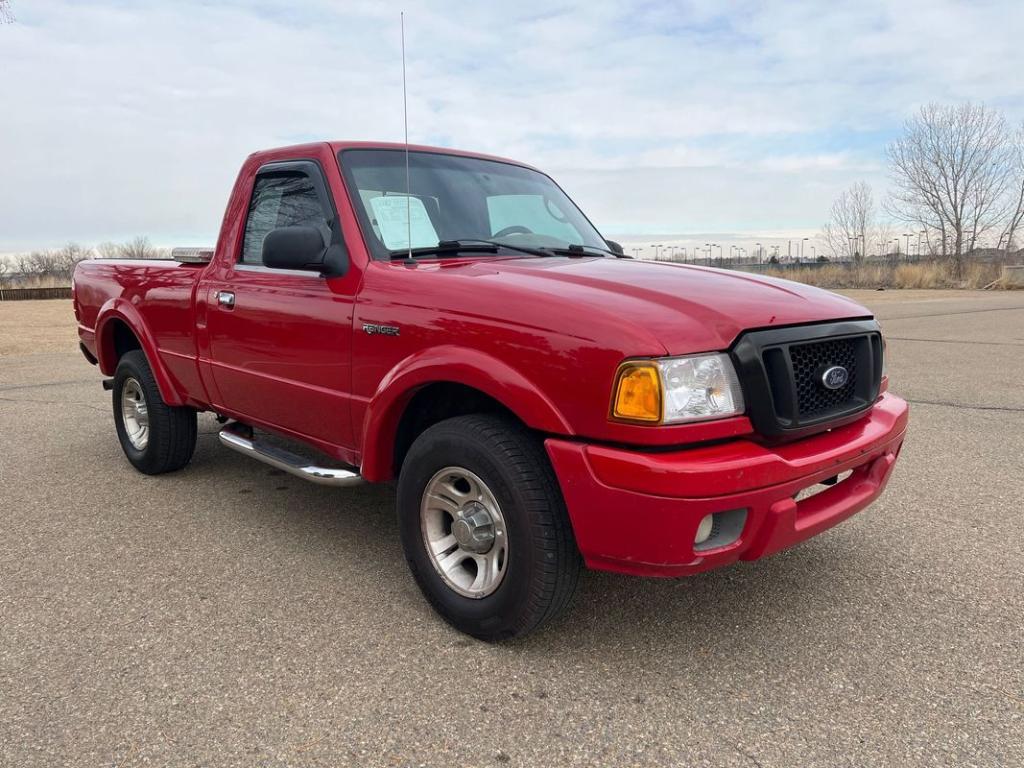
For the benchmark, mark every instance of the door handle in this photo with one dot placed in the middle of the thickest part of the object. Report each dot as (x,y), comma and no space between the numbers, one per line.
(226,299)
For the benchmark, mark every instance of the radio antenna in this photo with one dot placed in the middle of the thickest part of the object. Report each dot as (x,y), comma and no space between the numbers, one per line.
(405,120)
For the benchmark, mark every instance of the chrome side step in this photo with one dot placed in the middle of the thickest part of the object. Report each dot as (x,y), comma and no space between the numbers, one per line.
(238,437)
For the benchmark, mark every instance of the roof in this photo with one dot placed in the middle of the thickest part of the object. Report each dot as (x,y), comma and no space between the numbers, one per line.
(338,145)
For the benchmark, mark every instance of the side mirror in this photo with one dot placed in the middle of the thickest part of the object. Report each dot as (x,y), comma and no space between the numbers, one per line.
(294,248)
(615,247)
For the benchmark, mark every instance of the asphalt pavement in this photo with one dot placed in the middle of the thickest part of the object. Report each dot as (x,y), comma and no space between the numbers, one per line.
(232,615)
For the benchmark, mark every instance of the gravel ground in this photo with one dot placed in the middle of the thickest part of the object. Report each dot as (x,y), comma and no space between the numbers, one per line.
(231,615)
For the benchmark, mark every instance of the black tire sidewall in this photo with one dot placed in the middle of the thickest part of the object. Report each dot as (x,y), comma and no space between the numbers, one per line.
(133,365)
(501,613)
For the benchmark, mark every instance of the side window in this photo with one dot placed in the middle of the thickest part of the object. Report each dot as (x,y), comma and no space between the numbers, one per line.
(279,199)
(535,213)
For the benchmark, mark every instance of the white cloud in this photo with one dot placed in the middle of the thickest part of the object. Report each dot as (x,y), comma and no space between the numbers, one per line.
(123,118)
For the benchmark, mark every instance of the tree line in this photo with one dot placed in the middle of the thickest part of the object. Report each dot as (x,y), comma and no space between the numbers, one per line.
(957,185)
(58,264)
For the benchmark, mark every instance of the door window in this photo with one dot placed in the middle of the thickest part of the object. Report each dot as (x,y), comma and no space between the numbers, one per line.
(280,199)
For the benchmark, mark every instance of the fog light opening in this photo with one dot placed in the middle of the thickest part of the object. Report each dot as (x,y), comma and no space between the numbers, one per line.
(704,529)
(719,529)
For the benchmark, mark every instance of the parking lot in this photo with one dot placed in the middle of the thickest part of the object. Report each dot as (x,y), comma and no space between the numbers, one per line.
(229,614)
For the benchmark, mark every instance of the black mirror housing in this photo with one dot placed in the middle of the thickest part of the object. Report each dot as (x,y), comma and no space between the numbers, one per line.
(294,248)
(614,247)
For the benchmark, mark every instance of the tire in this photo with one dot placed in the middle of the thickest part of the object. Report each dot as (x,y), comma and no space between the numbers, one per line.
(169,437)
(533,577)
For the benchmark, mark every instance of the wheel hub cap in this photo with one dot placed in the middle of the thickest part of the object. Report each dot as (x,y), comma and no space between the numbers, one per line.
(135,414)
(474,530)
(464,532)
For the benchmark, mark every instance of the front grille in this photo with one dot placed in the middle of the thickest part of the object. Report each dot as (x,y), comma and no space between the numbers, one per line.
(783,371)
(810,361)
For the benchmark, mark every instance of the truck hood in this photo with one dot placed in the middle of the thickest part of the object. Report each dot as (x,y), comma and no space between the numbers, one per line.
(686,308)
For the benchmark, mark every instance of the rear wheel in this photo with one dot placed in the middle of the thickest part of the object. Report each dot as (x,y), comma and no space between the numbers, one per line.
(484,527)
(155,437)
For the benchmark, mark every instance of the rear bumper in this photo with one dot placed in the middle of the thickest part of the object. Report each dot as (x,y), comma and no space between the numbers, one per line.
(638,513)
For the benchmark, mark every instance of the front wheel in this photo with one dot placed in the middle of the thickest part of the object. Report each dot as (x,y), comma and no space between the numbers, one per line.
(484,527)
(155,437)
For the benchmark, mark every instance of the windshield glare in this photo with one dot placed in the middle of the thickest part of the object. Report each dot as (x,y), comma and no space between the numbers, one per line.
(458,198)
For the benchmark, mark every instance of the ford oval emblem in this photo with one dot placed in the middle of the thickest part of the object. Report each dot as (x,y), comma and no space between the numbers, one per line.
(835,377)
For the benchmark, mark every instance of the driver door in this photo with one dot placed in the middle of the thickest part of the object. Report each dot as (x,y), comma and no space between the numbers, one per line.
(280,339)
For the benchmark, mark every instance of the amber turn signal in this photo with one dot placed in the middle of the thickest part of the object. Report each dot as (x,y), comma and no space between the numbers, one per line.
(637,393)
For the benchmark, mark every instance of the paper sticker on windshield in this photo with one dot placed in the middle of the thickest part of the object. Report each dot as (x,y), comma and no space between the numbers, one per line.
(394,213)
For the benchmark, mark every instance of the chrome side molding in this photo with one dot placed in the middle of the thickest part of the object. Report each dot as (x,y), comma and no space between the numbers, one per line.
(238,437)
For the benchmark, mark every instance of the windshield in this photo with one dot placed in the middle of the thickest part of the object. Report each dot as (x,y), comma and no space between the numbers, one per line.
(458,199)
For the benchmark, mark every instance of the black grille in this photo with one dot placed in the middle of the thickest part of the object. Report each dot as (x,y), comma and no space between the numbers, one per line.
(810,361)
(782,373)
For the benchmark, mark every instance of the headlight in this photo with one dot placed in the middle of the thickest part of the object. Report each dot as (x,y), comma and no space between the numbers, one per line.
(674,390)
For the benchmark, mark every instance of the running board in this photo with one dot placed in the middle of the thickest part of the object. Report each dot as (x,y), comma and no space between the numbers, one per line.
(238,437)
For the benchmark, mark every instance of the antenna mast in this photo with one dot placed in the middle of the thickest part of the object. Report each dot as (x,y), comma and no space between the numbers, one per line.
(405,120)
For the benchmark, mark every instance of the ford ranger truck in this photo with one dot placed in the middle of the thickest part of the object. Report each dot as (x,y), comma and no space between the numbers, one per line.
(543,401)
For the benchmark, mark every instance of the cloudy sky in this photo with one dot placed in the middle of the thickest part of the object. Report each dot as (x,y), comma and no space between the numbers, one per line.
(126,117)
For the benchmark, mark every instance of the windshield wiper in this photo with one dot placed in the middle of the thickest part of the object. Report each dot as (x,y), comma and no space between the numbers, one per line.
(572,249)
(479,245)
(575,249)
(443,247)
(468,245)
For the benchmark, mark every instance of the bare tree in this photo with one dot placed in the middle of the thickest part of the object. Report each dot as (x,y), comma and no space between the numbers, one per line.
(852,223)
(56,264)
(68,258)
(1014,216)
(882,235)
(44,263)
(107,250)
(951,171)
(23,264)
(137,248)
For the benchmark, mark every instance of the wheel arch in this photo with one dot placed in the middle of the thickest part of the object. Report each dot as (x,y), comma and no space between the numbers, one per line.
(440,383)
(120,329)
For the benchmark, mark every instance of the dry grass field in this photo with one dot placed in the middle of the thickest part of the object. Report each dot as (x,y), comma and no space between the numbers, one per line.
(909,276)
(37,326)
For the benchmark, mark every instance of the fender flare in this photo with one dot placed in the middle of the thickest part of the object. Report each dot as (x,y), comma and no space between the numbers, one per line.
(455,365)
(123,310)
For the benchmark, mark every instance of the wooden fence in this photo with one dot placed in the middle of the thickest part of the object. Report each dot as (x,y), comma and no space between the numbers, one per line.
(22,294)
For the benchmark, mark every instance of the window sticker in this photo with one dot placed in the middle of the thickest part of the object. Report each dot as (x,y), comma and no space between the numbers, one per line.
(391,211)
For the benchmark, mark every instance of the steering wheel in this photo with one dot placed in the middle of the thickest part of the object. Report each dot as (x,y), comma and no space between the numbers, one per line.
(515,229)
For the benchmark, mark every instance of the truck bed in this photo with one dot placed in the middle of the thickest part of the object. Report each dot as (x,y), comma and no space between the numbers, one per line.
(162,291)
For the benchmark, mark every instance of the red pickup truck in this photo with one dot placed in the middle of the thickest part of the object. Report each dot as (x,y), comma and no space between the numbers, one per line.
(455,322)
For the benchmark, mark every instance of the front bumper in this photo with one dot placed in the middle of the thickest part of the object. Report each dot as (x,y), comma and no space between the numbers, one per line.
(638,513)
